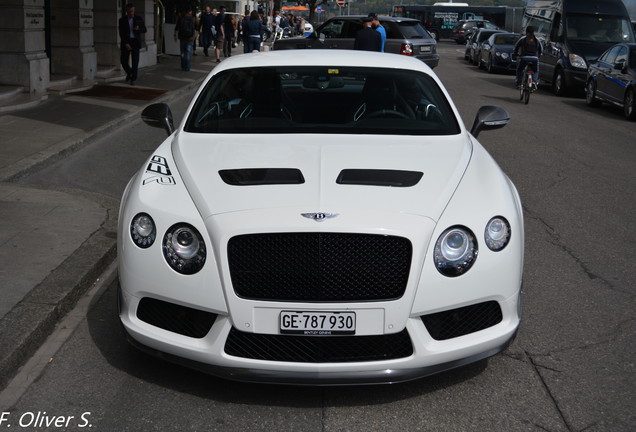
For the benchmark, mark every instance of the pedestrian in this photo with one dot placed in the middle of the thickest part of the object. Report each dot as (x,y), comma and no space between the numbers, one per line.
(219,24)
(375,24)
(229,30)
(131,27)
(254,30)
(367,39)
(185,31)
(207,29)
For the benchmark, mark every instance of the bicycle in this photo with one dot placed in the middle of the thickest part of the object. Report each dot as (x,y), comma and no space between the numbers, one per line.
(527,85)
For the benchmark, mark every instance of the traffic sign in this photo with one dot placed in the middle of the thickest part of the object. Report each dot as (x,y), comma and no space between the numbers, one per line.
(341,3)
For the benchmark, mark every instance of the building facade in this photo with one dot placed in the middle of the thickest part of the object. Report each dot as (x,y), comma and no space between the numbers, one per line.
(42,40)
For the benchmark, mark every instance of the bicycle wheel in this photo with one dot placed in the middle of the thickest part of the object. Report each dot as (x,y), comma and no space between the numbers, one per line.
(521,91)
(526,95)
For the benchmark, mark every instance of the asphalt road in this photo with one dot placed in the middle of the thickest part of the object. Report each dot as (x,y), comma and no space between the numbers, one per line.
(571,367)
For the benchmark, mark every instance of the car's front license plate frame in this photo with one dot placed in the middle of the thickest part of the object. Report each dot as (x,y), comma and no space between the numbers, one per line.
(313,323)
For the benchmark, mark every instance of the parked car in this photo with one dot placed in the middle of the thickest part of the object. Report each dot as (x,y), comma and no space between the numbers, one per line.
(465,28)
(473,46)
(496,52)
(403,36)
(321,218)
(612,79)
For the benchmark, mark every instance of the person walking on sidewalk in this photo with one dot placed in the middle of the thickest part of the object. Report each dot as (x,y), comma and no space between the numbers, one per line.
(186,32)
(131,27)
(220,32)
(207,29)
(254,32)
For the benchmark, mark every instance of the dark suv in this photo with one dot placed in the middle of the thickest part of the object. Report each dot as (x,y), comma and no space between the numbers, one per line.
(465,28)
(403,36)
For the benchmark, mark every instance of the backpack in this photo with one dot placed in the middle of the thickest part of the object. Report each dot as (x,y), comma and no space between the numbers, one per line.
(530,46)
(186,29)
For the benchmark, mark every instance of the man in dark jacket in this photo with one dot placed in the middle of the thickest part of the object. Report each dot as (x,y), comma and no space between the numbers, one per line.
(131,27)
(368,39)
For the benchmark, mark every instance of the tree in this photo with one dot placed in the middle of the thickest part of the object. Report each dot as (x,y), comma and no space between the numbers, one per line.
(312,5)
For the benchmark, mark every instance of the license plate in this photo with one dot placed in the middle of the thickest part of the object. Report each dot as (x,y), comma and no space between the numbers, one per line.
(425,49)
(318,323)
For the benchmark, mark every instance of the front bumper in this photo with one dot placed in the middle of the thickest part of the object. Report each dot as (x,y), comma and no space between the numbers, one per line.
(429,356)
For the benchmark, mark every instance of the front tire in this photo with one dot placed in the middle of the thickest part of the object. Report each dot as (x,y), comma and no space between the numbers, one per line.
(558,83)
(489,66)
(629,105)
(590,94)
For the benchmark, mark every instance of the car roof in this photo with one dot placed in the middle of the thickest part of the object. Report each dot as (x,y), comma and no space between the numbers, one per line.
(384,18)
(328,58)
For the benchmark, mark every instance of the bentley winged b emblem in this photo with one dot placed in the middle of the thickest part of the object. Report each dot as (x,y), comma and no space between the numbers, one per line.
(319,217)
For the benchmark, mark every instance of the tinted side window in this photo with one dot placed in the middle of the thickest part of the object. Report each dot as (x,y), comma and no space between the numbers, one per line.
(351,29)
(621,57)
(332,29)
(491,26)
(610,56)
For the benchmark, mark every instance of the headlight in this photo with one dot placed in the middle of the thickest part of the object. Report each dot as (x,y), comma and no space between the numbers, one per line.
(497,233)
(143,231)
(184,249)
(504,56)
(455,251)
(577,61)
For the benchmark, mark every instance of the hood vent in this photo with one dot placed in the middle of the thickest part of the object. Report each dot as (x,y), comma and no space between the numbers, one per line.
(374,177)
(262,176)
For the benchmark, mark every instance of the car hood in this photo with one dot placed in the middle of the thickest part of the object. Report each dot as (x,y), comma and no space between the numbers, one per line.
(381,172)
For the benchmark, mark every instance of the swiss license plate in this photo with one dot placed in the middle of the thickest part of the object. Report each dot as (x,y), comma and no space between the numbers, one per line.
(425,48)
(318,323)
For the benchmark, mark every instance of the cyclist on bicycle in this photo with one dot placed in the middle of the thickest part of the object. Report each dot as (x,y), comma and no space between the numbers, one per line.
(528,50)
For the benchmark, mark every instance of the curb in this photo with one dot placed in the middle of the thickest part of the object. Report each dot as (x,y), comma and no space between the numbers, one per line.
(34,318)
(58,151)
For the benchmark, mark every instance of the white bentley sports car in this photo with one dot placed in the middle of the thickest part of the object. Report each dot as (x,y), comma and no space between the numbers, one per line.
(321,217)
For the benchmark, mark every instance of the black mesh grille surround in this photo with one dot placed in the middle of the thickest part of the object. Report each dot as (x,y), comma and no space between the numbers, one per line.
(459,322)
(175,318)
(316,267)
(318,349)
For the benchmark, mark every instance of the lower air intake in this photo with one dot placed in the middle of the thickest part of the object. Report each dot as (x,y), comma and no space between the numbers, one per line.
(318,349)
(175,318)
(459,322)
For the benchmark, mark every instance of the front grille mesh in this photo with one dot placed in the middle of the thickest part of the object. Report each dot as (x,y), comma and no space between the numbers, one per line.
(175,318)
(459,322)
(318,349)
(319,266)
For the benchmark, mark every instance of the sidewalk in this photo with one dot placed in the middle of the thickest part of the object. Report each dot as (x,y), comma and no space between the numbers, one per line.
(54,244)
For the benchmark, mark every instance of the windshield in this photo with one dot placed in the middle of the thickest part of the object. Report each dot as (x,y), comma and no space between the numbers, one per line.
(506,39)
(413,30)
(336,100)
(595,28)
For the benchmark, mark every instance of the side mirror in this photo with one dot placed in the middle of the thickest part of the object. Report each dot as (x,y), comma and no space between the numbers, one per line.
(489,117)
(158,115)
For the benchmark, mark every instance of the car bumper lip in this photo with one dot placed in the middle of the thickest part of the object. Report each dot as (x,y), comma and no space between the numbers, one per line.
(323,378)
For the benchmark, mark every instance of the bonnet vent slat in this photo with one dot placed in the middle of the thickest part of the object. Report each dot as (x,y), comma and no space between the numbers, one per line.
(262,176)
(376,177)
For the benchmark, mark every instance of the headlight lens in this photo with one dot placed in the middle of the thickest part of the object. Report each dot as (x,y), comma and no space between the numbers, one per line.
(184,249)
(504,56)
(497,233)
(577,61)
(455,251)
(143,231)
